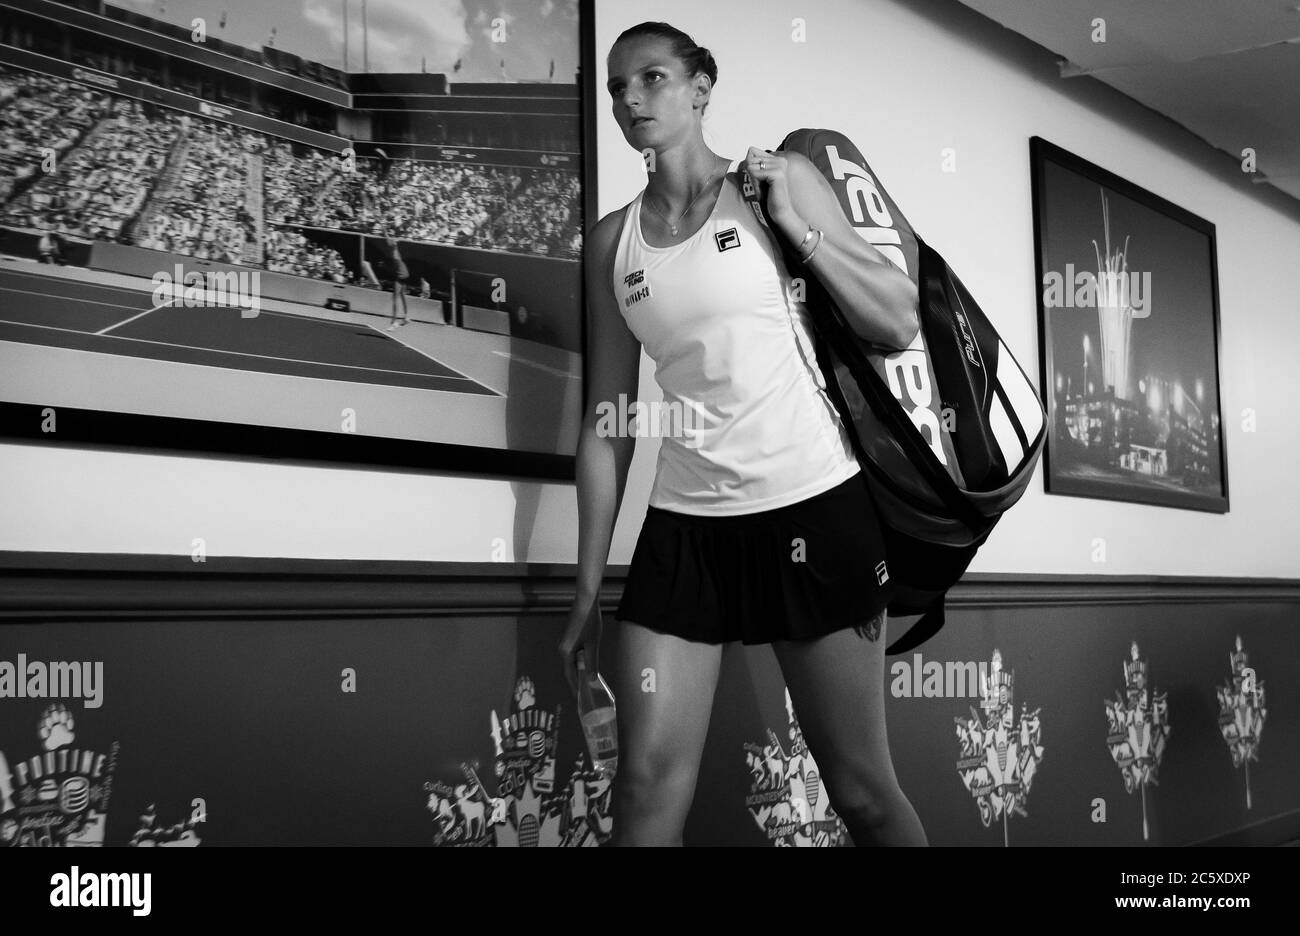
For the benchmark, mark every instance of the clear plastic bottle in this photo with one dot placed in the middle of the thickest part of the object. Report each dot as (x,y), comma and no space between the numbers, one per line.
(599,724)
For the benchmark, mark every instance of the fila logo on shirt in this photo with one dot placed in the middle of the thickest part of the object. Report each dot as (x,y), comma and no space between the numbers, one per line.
(727,239)
(633,279)
(882,574)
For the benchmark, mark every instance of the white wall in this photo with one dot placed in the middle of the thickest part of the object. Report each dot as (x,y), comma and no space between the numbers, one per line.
(904,84)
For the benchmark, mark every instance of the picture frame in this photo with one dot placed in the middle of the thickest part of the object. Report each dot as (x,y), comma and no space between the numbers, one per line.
(484,187)
(1127,287)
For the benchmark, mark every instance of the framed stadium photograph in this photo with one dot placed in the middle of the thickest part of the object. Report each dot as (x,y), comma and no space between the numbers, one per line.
(347,230)
(1128,308)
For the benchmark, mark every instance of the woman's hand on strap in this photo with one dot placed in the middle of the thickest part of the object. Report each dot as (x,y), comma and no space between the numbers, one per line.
(770,171)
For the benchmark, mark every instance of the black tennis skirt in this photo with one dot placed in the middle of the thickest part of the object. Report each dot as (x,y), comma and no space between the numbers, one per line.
(791,573)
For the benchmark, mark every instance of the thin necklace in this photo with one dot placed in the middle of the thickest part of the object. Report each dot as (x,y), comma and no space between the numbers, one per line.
(673,227)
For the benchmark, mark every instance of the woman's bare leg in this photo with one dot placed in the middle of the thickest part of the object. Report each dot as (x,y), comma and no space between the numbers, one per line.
(837,684)
(663,687)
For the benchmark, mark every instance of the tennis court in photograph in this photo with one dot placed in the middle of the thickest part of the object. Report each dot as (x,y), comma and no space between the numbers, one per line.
(109,319)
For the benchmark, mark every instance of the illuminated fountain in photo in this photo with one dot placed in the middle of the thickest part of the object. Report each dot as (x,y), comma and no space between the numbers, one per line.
(1114,313)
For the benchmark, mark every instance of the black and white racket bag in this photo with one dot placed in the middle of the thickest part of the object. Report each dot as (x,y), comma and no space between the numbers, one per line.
(949,430)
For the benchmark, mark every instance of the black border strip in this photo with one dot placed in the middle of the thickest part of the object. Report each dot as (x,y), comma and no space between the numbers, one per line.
(163,435)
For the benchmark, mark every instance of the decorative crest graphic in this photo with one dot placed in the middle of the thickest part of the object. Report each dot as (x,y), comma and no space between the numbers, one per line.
(527,809)
(60,796)
(1138,729)
(998,758)
(1242,712)
(178,835)
(785,797)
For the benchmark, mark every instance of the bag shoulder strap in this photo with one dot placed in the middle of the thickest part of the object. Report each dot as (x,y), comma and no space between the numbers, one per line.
(873,387)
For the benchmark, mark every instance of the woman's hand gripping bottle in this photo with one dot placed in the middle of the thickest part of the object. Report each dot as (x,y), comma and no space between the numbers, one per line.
(596,711)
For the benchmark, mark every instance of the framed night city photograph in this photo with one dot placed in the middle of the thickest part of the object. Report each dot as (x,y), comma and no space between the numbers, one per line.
(327,229)
(1129,339)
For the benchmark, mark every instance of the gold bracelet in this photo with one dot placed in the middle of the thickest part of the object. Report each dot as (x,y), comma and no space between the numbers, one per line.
(806,259)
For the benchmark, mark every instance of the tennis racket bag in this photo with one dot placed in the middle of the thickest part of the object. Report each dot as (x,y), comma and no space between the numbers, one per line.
(949,430)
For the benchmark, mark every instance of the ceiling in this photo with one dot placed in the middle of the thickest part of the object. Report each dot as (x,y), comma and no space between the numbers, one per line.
(1227,70)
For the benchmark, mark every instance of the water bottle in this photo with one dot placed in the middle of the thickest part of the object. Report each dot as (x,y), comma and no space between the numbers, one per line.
(596,711)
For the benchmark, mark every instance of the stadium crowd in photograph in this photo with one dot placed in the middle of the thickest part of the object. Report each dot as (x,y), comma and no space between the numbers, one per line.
(138,174)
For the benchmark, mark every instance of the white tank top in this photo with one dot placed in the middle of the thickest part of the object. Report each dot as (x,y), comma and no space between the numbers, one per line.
(745,424)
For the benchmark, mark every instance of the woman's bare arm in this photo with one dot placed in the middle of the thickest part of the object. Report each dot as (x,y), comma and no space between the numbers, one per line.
(878,299)
(614,366)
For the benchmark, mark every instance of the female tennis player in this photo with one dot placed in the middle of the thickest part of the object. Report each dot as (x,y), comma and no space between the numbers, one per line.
(397,266)
(759,526)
